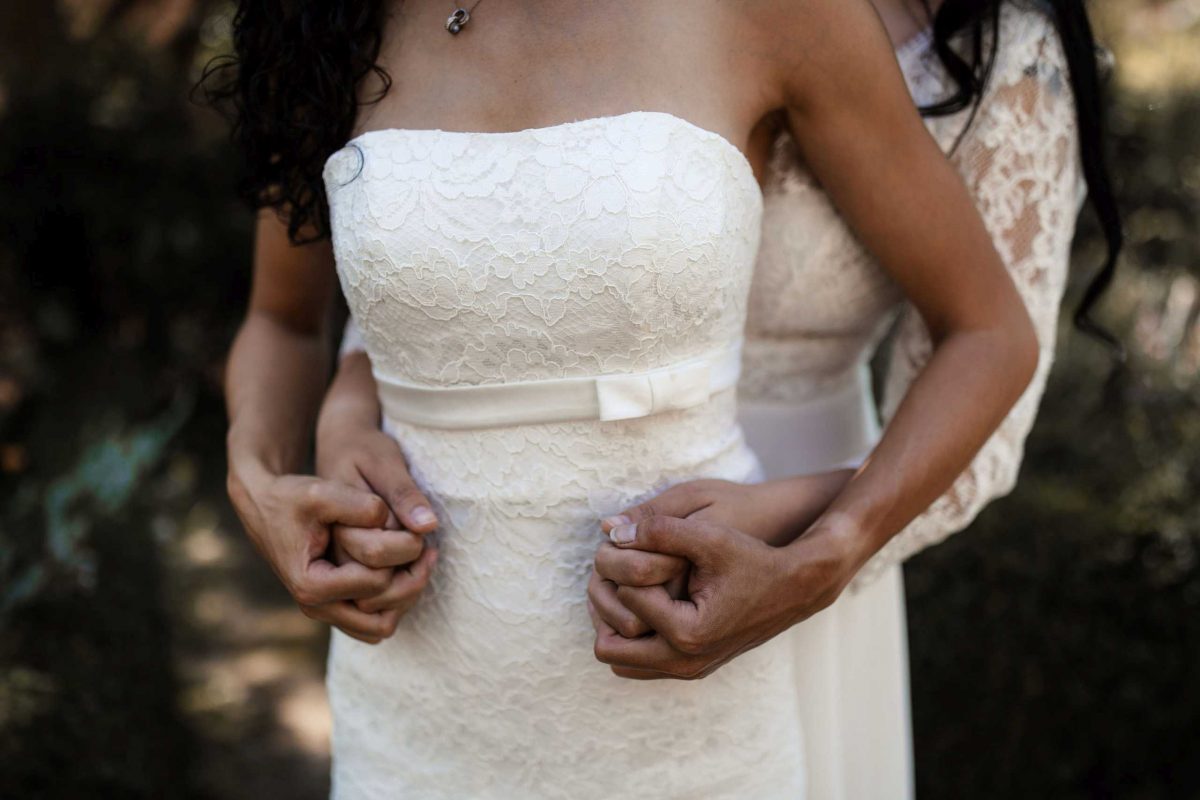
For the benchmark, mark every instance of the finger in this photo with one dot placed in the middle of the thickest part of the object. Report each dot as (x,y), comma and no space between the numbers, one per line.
(650,653)
(604,631)
(369,628)
(390,479)
(603,597)
(693,540)
(379,548)
(406,586)
(681,501)
(672,619)
(325,583)
(637,567)
(331,502)
(629,672)
(677,587)
(632,674)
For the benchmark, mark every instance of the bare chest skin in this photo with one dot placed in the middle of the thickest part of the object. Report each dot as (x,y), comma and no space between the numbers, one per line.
(535,63)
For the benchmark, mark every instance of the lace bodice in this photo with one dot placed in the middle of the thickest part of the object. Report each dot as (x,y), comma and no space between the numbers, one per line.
(819,304)
(504,263)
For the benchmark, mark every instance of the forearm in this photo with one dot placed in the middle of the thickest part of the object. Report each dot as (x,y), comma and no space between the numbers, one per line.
(970,383)
(352,402)
(274,383)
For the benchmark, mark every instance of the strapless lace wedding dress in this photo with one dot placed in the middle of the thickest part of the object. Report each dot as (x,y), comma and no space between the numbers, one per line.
(818,306)
(554,318)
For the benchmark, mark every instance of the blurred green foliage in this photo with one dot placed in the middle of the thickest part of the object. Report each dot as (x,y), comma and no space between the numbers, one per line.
(1053,646)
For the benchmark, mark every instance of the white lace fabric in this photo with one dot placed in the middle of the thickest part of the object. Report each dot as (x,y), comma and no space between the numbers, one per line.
(598,247)
(819,305)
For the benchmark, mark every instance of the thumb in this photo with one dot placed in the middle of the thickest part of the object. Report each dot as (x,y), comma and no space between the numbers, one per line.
(390,479)
(682,500)
(686,538)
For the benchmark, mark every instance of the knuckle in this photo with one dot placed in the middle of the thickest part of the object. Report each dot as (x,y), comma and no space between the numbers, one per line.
(374,553)
(407,494)
(593,591)
(602,652)
(688,643)
(377,509)
(640,572)
(387,624)
(630,628)
(380,580)
(368,606)
(305,596)
(420,580)
(312,494)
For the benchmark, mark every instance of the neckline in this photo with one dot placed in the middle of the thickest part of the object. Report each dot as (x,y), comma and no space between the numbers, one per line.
(739,155)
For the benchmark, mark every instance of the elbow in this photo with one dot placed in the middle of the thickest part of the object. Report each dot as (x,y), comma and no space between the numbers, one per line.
(1025,350)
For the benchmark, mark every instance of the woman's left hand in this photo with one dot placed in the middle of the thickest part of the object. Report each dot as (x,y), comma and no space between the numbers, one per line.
(774,512)
(741,592)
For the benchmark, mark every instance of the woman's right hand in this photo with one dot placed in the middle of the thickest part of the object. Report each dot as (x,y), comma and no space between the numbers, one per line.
(289,518)
(352,450)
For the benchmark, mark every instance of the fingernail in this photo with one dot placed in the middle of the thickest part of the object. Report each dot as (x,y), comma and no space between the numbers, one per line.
(423,516)
(623,534)
(619,519)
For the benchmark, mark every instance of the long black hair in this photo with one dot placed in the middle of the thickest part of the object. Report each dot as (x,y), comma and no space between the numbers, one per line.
(292,87)
(964,43)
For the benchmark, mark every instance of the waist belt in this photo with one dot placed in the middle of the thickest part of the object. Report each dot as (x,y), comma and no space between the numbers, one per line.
(604,397)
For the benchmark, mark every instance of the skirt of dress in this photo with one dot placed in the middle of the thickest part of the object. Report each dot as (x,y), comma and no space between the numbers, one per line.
(490,690)
(851,659)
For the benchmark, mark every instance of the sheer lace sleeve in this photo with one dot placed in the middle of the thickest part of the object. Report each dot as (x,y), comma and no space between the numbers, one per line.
(1020,161)
(352,341)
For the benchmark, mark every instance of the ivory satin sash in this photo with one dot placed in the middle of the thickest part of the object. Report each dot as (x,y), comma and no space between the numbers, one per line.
(620,396)
(835,429)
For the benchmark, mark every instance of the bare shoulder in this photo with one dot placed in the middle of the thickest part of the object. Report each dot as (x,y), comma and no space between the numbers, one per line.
(813,46)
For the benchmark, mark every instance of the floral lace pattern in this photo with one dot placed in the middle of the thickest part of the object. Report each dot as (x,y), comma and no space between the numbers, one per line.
(594,247)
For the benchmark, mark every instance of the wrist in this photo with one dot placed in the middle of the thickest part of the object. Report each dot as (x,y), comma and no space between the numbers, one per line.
(250,466)
(341,417)
(795,504)
(837,546)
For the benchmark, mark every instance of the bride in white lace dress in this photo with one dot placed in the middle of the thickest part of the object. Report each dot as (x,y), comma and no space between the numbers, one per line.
(554,317)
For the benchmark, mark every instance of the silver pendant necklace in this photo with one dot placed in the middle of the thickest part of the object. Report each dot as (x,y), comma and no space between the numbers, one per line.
(459,19)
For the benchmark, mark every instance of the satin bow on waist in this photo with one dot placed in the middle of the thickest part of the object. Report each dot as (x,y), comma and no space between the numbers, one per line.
(620,396)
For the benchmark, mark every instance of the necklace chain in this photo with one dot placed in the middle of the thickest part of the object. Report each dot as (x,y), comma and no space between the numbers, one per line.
(459,19)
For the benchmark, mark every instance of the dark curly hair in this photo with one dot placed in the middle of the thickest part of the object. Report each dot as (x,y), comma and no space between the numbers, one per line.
(292,89)
(967,52)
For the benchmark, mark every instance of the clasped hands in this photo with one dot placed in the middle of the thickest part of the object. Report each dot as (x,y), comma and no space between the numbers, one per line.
(682,583)
(710,569)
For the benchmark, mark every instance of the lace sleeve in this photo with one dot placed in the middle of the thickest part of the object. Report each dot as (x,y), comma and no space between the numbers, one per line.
(1020,161)
(352,341)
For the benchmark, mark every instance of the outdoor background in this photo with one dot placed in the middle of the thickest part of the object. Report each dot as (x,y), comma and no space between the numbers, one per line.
(145,652)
